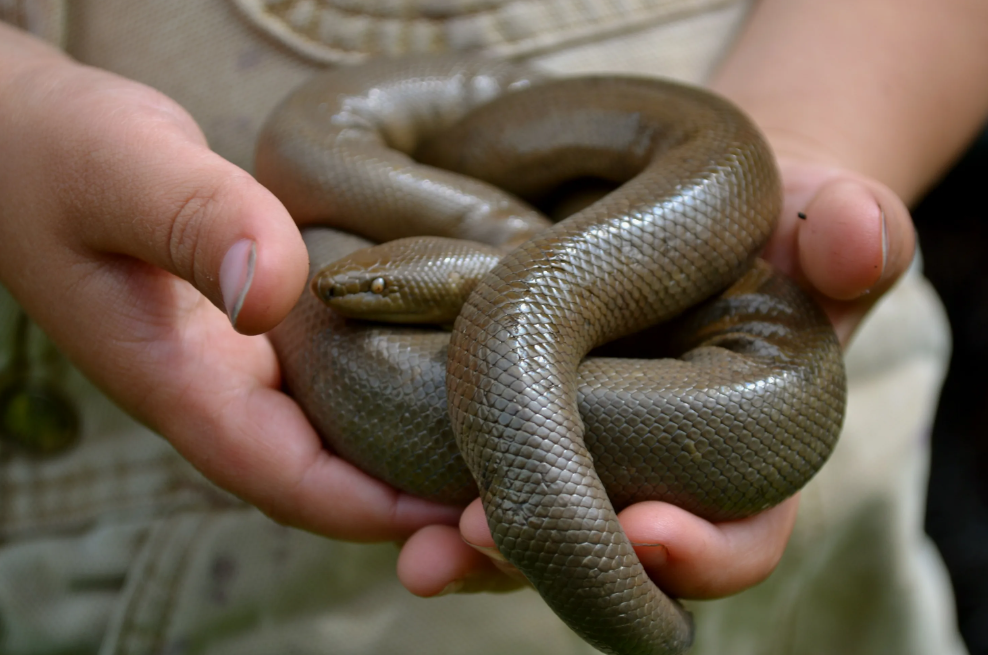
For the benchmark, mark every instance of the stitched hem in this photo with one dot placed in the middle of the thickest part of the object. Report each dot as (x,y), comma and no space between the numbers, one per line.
(332,31)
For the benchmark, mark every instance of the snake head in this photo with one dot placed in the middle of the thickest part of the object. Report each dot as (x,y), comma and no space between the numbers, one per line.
(419,280)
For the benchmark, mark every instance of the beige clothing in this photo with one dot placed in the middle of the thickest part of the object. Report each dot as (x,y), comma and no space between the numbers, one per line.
(120,547)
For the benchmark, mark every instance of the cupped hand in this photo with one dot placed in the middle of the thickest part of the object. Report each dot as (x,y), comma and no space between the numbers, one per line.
(134,247)
(843,237)
(124,236)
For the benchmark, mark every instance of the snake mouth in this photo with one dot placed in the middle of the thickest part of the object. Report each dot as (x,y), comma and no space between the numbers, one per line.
(376,300)
(330,286)
(366,306)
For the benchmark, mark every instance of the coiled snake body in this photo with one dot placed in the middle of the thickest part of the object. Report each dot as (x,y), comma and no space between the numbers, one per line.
(740,421)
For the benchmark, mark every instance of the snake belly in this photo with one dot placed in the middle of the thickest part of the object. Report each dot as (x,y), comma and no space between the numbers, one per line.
(554,441)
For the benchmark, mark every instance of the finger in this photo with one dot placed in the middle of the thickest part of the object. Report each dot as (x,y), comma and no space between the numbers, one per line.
(475,531)
(845,237)
(89,201)
(686,556)
(256,441)
(135,169)
(436,561)
(215,396)
(205,221)
(689,557)
(855,239)
(477,534)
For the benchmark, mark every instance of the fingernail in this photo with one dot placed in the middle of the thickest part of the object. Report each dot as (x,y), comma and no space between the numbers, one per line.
(236,274)
(656,553)
(493,553)
(453,587)
(508,569)
(885,239)
(499,561)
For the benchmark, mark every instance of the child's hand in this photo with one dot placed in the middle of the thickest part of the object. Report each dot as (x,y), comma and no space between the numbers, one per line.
(856,240)
(126,239)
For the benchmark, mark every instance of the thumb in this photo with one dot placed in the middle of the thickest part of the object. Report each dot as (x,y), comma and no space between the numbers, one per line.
(844,236)
(186,210)
(129,173)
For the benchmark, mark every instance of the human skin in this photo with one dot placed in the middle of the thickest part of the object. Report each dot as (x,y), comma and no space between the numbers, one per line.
(125,238)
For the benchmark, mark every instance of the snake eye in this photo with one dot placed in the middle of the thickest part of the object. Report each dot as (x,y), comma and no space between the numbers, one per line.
(377,285)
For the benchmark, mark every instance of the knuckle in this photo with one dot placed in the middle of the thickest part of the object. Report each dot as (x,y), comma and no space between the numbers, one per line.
(195,218)
(185,228)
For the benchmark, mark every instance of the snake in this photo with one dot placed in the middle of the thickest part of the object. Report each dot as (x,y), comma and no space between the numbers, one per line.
(635,349)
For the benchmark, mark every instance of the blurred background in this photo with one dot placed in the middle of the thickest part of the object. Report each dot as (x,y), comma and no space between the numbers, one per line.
(953,233)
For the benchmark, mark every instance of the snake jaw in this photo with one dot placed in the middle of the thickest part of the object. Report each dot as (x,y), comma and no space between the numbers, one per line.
(371,296)
(414,280)
(363,295)
(328,287)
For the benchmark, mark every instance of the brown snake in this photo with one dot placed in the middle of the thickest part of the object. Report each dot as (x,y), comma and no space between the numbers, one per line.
(740,421)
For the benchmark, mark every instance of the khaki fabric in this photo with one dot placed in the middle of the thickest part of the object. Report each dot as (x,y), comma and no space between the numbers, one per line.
(120,547)
(230,73)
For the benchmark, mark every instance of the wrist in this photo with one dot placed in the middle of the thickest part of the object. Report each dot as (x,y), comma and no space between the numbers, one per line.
(887,92)
(805,132)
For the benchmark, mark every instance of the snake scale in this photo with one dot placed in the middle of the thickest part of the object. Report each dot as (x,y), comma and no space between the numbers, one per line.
(722,389)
